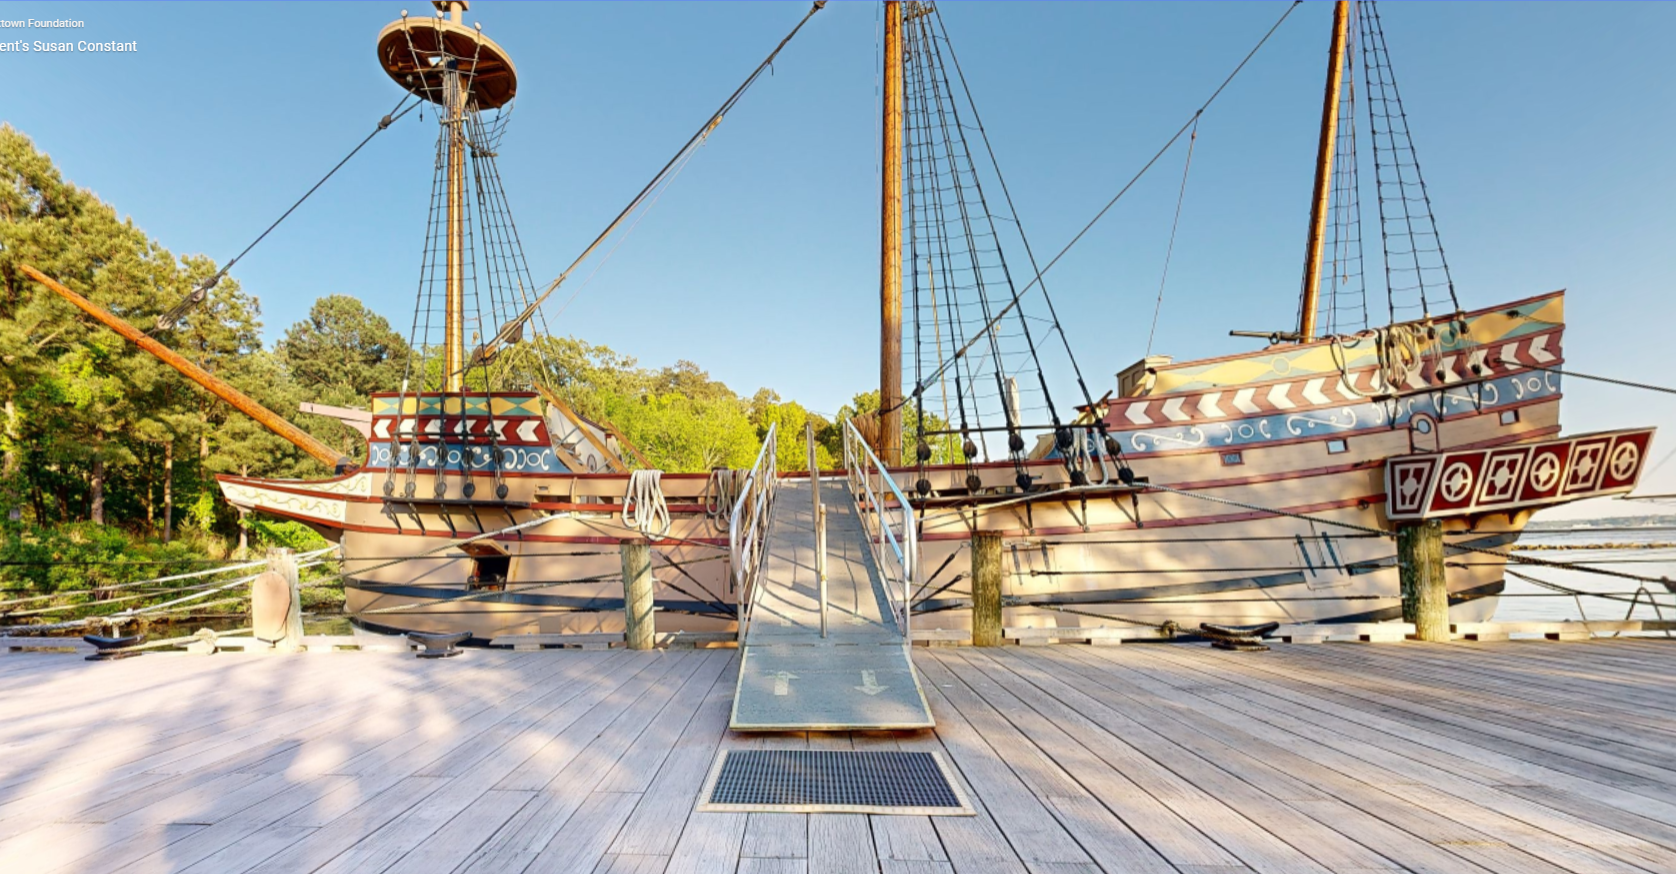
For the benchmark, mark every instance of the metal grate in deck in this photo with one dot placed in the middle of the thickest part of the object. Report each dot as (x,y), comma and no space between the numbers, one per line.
(833,781)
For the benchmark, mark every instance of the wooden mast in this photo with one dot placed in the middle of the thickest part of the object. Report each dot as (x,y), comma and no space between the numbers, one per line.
(454,345)
(1323,173)
(474,74)
(890,246)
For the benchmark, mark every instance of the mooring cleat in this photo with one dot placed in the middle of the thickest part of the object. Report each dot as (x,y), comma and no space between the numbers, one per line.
(109,648)
(437,645)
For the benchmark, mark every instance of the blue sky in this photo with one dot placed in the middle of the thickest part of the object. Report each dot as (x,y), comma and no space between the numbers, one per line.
(1544,131)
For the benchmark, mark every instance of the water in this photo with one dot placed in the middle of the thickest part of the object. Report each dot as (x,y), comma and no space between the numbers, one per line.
(1530,602)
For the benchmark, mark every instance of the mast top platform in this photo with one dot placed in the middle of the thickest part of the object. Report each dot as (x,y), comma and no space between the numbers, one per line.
(417,51)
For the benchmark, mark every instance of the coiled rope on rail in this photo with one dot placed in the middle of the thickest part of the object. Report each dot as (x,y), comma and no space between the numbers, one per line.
(1400,353)
(644,508)
(721,492)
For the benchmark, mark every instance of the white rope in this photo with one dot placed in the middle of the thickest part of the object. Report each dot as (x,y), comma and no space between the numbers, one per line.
(643,506)
(721,492)
(1399,351)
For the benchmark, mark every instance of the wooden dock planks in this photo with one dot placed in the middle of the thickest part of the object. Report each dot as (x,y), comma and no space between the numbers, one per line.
(1459,757)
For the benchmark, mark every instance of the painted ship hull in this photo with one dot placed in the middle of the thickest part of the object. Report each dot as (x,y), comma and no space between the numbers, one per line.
(1276,463)
(1261,453)
(406,523)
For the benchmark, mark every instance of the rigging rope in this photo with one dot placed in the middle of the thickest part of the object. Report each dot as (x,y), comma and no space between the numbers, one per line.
(1607,379)
(1385,105)
(1181,195)
(1458,547)
(1187,125)
(169,317)
(697,139)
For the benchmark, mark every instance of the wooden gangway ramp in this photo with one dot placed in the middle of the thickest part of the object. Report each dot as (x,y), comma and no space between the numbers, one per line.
(859,676)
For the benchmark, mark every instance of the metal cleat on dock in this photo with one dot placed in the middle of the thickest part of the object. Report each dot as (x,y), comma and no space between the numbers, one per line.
(437,646)
(112,648)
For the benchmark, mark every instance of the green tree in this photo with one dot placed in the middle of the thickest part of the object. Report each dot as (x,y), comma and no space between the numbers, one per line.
(945,448)
(339,355)
(791,444)
(73,390)
(94,427)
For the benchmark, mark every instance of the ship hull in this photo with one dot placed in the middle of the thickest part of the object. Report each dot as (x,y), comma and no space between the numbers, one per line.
(1263,497)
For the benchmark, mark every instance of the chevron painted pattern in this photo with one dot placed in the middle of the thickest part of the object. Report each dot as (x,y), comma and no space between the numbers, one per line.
(1487,328)
(1533,350)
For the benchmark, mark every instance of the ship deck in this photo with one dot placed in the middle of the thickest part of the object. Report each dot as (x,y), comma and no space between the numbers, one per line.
(1521,756)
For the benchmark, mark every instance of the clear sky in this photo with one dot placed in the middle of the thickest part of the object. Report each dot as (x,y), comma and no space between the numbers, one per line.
(1545,132)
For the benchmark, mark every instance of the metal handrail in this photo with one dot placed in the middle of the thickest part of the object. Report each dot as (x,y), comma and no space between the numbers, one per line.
(819,520)
(863,466)
(747,533)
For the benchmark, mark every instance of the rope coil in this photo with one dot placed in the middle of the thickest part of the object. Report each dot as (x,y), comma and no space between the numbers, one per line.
(721,492)
(644,508)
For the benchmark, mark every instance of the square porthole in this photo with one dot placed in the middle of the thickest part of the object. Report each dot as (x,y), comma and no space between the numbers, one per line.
(1336,446)
(1232,458)
(1509,417)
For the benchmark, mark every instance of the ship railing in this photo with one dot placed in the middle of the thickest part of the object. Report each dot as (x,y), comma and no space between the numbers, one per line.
(747,528)
(887,520)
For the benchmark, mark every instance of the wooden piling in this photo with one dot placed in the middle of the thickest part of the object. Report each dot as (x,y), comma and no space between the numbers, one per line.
(986,588)
(641,629)
(1425,594)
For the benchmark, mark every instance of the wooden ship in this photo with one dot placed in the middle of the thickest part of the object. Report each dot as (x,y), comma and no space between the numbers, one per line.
(486,503)
(1261,485)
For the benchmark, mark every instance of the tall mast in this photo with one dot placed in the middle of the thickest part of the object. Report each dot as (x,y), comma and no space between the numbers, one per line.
(890,245)
(1323,173)
(454,95)
(442,60)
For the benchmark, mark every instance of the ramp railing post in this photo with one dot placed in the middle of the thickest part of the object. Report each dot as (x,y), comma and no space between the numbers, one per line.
(747,527)
(818,519)
(901,547)
(820,559)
